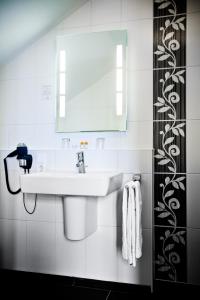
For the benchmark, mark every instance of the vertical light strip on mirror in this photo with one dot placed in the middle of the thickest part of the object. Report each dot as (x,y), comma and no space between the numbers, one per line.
(119,80)
(62,83)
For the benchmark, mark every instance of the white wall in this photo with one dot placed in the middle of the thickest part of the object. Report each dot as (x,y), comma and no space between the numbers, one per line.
(37,243)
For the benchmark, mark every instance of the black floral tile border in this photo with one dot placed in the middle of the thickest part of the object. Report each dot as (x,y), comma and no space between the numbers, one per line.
(169,42)
(170,254)
(169,147)
(169,7)
(169,94)
(169,140)
(170,200)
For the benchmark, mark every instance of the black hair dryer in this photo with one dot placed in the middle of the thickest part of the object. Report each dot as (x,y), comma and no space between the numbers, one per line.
(25,162)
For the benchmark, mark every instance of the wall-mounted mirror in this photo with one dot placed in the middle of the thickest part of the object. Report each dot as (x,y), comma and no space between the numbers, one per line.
(91,82)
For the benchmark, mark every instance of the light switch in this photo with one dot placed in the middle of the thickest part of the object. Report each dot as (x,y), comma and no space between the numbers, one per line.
(46,93)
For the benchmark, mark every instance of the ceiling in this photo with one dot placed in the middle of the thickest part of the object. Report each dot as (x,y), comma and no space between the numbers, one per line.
(24,21)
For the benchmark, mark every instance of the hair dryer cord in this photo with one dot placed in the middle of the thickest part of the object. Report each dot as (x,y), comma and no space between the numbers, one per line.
(7,180)
(24,202)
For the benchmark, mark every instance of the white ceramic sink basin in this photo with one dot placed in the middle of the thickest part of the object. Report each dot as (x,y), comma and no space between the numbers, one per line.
(80,194)
(74,184)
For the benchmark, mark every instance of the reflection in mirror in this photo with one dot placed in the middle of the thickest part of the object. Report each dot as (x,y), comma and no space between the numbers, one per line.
(91,82)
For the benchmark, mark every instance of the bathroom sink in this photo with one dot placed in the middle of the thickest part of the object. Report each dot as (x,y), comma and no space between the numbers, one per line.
(74,184)
(80,194)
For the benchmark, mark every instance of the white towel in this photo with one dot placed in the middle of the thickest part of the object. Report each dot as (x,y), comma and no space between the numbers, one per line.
(131,222)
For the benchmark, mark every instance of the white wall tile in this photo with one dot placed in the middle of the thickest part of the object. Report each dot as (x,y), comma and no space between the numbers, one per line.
(70,255)
(41,248)
(44,110)
(45,208)
(10,70)
(65,160)
(44,54)
(3,154)
(140,45)
(146,188)
(3,72)
(77,137)
(140,99)
(135,161)
(12,163)
(8,103)
(4,99)
(21,134)
(193,39)
(3,137)
(73,30)
(95,160)
(43,159)
(13,245)
(193,6)
(107,209)
(25,64)
(112,140)
(193,145)
(193,204)
(139,135)
(193,260)
(142,273)
(59,210)
(101,254)
(106,11)
(45,136)
(11,206)
(80,18)
(108,27)
(192,93)
(101,160)
(134,9)
(26,106)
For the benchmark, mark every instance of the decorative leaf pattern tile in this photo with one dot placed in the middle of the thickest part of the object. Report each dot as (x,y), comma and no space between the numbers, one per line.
(170,200)
(169,7)
(170,148)
(170,254)
(169,94)
(169,41)
(169,140)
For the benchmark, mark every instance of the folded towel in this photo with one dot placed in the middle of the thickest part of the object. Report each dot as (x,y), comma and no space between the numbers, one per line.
(131,222)
(138,221)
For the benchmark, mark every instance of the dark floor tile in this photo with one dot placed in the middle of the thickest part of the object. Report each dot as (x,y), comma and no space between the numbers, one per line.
(81,293)
(92,283)
(127,296)
(109,285)
(176,289)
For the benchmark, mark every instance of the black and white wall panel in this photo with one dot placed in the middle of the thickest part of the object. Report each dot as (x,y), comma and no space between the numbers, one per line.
(170,180)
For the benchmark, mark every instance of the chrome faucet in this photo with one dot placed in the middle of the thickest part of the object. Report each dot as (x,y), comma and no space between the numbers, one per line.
(80,164)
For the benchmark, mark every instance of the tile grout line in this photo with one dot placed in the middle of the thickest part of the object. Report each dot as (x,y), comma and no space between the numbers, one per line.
(107,297)
(167,16)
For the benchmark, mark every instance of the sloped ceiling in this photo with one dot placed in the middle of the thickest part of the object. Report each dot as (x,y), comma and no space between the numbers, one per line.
(23,21)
